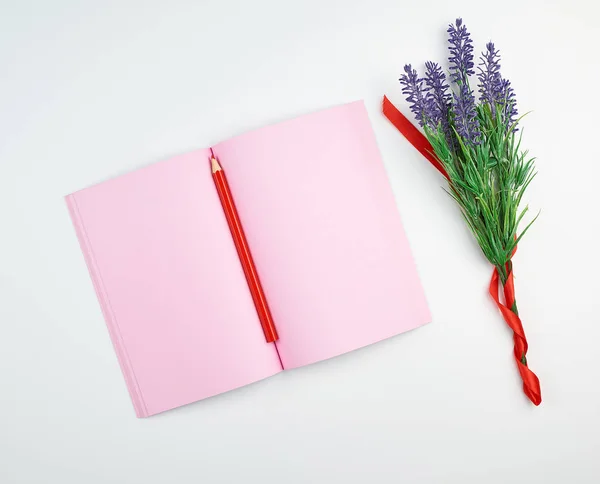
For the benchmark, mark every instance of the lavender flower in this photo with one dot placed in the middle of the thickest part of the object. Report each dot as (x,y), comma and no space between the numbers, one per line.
(493,89)
(465,116)
(438,99)
(415,94)
(508,100)
(490,80)
(461,53)
(461,67)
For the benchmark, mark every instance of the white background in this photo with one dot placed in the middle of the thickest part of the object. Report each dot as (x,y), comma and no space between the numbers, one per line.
(90,90)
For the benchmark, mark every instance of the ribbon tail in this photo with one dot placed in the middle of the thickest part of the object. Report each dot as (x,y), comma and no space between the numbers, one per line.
(411,133)
(531,383)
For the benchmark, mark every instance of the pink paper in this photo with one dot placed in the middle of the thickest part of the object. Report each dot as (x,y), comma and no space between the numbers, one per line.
(170,284)
(325,233)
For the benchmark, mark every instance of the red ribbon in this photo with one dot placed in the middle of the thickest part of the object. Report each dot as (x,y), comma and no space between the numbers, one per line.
(531,384)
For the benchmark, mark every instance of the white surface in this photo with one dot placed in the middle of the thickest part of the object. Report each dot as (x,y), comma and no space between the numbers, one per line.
(90,90)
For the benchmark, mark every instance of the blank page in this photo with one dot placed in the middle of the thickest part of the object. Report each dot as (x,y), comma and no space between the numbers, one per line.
(325,233)
(170,284)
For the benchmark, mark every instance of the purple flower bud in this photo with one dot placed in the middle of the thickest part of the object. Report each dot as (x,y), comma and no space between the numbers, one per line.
(509,102)
(438,99)
(493,89)
(415,94)
(465,116)
(490,80)
(461,53)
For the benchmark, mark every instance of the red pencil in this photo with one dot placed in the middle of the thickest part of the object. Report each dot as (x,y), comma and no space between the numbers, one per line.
(241,244)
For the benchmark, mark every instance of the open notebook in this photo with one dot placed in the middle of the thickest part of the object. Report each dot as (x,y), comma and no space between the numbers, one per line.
(326,238)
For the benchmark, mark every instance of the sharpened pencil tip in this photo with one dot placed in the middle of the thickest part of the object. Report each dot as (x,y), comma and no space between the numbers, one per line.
(215,165)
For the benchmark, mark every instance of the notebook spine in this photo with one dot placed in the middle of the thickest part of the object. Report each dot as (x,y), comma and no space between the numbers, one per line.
(111,322)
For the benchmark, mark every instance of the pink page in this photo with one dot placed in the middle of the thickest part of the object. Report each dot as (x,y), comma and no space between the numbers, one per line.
(170,284)
(325,233)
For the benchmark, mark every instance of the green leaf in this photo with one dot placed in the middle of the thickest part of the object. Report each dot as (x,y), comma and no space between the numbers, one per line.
(488,181)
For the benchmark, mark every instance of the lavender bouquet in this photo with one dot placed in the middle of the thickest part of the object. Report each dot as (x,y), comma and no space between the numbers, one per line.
(478,145)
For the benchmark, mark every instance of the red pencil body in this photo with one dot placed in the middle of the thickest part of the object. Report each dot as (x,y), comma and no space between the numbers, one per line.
(241,244)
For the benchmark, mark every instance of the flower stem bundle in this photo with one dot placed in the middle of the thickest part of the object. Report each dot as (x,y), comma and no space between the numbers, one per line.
(478,144)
